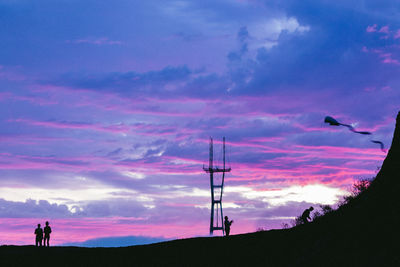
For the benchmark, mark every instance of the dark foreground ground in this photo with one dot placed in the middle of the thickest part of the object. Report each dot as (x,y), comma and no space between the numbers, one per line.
(365,232)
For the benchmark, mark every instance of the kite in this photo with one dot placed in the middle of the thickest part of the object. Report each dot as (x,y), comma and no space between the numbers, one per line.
(334,122)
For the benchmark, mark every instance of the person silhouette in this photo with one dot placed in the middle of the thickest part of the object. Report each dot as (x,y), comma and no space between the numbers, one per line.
(47,231)
(306,215)
(227,224)
(39,235)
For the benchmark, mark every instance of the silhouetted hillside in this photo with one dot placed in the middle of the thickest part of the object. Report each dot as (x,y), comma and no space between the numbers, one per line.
(365,232)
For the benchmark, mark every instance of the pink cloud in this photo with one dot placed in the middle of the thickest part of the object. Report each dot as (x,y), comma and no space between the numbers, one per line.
(369,89)
(384,29)
(372,28)
(23,162)
(19,231)
(39,140)
(11,75)
(391,61)
(397,34)
(38,100)
(332,150)
(265,139)
(96,41)
(117,128)
(387,59)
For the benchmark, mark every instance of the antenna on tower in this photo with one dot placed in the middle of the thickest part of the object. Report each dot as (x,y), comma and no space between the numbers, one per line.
(216,189)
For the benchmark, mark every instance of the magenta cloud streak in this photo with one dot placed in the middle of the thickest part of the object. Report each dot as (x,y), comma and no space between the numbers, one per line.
(105,122)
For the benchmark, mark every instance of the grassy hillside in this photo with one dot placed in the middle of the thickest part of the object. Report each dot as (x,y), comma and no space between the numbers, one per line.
(365,232)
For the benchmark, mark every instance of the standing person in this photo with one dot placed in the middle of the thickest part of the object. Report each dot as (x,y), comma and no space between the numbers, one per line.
(47,231)
(227,224)
(306,215)
(39,235)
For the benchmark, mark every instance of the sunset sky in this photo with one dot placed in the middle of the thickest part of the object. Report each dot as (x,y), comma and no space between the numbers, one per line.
(107,107)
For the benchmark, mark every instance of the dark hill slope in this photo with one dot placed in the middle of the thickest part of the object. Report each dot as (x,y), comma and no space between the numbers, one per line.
(365,232)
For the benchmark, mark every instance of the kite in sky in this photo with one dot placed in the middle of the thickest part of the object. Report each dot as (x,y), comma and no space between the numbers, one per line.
(334,122)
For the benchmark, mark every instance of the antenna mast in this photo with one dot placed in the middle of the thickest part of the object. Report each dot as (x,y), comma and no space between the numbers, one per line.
(216,189)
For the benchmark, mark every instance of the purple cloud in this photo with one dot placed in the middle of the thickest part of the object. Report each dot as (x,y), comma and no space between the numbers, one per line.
(372,28)
(95,41)
(384,29)
(110,129)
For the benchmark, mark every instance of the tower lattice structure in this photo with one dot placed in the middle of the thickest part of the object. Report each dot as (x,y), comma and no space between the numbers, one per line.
(217,190)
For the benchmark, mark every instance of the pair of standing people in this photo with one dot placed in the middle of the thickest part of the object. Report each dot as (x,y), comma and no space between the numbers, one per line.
(39,235)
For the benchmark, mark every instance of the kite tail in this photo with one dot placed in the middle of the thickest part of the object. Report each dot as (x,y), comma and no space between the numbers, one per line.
(351,128)
(380,143)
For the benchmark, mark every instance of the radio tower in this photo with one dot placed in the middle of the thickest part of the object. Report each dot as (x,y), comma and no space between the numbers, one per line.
(216,190)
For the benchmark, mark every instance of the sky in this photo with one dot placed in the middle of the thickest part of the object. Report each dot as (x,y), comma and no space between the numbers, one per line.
(107,107)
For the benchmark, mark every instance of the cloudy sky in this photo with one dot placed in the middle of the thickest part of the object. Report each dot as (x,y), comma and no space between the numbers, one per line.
(106,109)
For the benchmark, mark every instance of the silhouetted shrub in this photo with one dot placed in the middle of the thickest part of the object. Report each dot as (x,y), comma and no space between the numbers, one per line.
(358,187)
(326,209)
(316,214)
(285,226)
(297,221)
